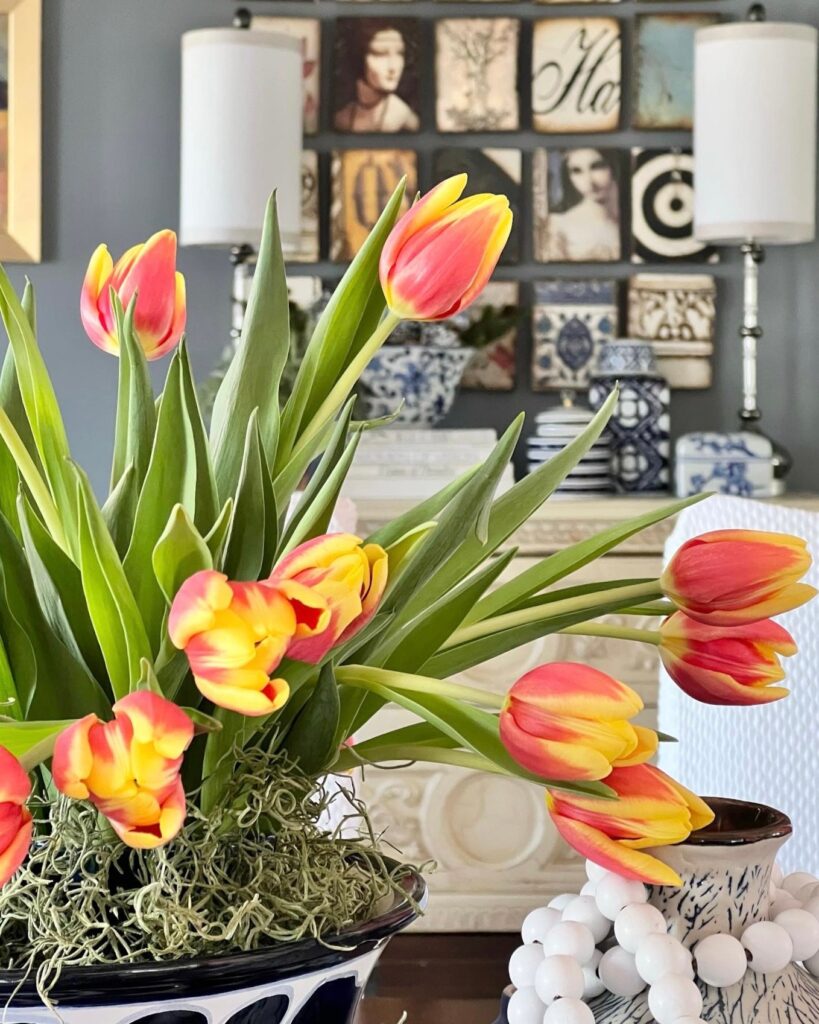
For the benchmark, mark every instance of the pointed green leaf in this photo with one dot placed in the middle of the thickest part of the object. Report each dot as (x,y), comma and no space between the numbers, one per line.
(217,537)
(147,679)
(202,724)
(119,510)
(246,546)
(9,698)
(31,742)
(136,414)
(179,553)
(207,501)
(311,739)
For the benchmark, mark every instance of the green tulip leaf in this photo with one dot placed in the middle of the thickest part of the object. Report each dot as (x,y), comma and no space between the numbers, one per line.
(180,552)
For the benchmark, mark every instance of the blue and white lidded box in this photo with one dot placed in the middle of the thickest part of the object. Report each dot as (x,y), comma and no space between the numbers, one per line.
(738,463)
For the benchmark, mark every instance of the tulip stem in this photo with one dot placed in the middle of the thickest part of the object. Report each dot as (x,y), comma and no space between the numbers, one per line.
(34,482)
(346,382)
(538,613)
(646,636)
(367,677)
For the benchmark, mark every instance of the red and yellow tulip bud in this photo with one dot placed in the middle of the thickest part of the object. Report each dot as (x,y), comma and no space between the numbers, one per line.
(732,576)
(570,722)
(236,634)
(441,253)
(15,820)
(149,271)
(734,665)
(651,810)
(350,578)
(129,768)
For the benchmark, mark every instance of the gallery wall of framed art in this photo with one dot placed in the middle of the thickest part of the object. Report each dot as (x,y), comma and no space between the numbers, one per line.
(579,111)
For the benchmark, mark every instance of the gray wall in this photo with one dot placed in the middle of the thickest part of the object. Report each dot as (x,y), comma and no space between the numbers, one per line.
(111,165)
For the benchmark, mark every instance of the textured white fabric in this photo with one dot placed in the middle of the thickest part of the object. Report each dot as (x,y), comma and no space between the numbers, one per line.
(769,753)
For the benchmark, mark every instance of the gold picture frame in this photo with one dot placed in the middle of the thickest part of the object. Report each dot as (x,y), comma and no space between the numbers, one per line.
(20,164)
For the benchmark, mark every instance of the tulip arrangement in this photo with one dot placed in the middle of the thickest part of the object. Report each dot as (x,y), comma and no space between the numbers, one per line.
(200,626)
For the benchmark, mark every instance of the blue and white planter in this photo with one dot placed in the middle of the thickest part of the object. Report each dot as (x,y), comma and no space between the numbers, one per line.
(425,377)
(299,983)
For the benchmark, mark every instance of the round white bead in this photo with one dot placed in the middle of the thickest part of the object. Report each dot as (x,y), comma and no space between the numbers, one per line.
(636,922)
(568,1011)
(525,1007)
(618,973)
(559,977)
(613,893)
(658,955)
(570,938)
(537,924)
(803,929)
(807,892)
(721,960)
(562,901)
(770,947)
(584,910)
(589,889)
(797,880)
(812,965)
(522,965)
(812,906)
(594,872)
(673,997)
(782,901)
(593,986)
(777,876)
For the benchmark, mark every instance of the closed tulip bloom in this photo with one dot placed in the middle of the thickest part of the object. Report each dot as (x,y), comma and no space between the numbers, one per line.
(129,768)
(651,809)
(442,252)
(350,577)
(733,576)
(15,820)
(726,665)
(236,634)
(570,722)
(149,270)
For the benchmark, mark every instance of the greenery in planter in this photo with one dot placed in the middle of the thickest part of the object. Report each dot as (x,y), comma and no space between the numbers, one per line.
(182,664)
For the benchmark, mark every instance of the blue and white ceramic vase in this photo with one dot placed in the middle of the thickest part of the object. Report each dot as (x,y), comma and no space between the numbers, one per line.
(639,426)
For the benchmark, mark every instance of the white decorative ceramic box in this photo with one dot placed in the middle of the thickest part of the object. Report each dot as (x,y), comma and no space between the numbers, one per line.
(738,463)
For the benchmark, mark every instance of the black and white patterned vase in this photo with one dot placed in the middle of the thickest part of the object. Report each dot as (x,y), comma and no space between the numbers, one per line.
(639,426)
(726,873)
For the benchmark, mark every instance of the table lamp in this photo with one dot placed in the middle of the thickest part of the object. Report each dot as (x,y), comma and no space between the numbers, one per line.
(241,138)
(755,158)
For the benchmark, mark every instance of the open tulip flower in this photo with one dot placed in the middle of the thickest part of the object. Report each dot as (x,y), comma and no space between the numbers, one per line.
(15,820)
(236,634)
(441,253)
(129,768)
(348,576)
(571,722)
(149,271)
(651,809)
(726,665)
(732,576)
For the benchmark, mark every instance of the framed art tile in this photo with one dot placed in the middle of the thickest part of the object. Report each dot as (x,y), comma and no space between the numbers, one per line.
(570,322)
(308,30)
(664,69)
(476,74)
(308,251)
(662,209)
(577,204)
(677,308)
(362,182)
(492,367)
(576,75)
(490,170)
(375,75)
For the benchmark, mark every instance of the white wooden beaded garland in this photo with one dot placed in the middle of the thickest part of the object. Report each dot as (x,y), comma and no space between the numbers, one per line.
(560,967)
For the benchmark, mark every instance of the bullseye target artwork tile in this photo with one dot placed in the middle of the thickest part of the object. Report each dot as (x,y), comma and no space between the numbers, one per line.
(662,208)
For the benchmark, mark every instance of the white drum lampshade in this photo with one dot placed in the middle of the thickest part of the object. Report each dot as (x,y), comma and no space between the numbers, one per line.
(755,132)
(241,136)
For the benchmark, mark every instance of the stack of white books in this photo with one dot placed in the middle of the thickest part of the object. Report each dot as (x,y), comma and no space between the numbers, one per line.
(413,463)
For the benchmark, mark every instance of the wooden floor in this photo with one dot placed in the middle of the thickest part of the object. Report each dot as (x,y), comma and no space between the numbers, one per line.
(439,979)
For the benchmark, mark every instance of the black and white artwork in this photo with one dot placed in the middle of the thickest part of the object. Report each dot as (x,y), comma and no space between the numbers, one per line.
(376,75)
(577,203)
(662,209)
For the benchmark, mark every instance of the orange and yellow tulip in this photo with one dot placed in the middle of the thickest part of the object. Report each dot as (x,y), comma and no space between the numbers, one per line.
(15,820)
(149,271)
(350,577)
(733,665)
(236,634)
(651,810)
(441,253)
(569,722)
(129,768)
(732,576)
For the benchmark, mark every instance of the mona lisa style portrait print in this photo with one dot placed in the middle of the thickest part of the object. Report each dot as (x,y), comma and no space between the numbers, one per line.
(577,196)
(376,75)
